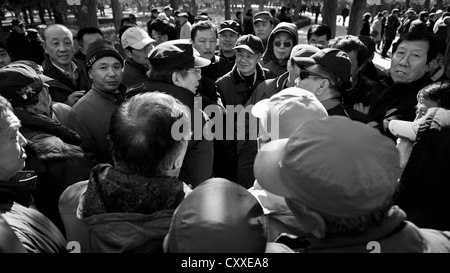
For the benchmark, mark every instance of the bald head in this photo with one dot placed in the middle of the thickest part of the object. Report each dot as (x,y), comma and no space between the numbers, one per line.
(58,44)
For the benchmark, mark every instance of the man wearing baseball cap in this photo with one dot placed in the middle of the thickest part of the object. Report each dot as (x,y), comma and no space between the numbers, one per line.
(228,35)
(247,147)
(339,178)
(235,88)
(90,116)
(263,26)
(326,74)
(52,147)
(137,46)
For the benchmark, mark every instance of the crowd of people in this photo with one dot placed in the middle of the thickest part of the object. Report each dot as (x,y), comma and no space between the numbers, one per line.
(187,137)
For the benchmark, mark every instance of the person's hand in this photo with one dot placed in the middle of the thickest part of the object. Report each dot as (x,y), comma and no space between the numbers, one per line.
(361,108)
(74,97)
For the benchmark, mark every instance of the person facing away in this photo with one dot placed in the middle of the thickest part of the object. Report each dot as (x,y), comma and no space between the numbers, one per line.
(176,71)
(219,216)
(16,188)
(60,65)
(128,207)
(339,178)
(90,116)
(53,149)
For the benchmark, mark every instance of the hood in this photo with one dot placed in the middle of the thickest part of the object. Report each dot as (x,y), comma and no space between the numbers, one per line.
(281,27)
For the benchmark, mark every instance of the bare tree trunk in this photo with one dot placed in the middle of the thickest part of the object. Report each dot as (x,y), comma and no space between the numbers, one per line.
(296,12)
(87,14)
(25,15)
(31,14)
(117,13)
(356,15)
(427,5)
(407,4)
(174,4)
(2,36)
(41,12)
(55,6)
(227,10)
(194,8)
(329,13)
(247,6)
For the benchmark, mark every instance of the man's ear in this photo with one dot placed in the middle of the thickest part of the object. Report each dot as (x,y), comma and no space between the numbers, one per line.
(175,77)
(323,86)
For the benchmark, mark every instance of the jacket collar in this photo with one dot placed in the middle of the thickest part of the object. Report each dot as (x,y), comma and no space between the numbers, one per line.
(109,190)
(259,74)
(18,188)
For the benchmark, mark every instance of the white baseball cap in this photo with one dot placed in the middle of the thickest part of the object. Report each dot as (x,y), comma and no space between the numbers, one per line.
(135,37)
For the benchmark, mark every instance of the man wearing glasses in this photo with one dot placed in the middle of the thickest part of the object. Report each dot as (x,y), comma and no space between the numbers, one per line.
(278,50)
(137,45)
(327,75)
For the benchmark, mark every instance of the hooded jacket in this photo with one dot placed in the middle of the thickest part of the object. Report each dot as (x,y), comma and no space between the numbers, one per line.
(198,161)
(269,60)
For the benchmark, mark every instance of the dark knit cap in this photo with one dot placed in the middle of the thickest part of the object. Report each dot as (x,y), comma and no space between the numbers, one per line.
(98,49)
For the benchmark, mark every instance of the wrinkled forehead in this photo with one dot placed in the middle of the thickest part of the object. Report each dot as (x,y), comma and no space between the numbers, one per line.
(418,45)
(57,32)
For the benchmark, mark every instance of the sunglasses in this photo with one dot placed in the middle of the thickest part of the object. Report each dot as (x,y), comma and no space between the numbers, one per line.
(285,43)
(306,74)
(195,70)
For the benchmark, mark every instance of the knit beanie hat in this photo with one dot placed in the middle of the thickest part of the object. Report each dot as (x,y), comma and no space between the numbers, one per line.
(98,49)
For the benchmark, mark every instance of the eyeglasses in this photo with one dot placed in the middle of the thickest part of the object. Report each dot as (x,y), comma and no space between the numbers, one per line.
(285,43)
(155,37)
(305,74)
(146,48)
